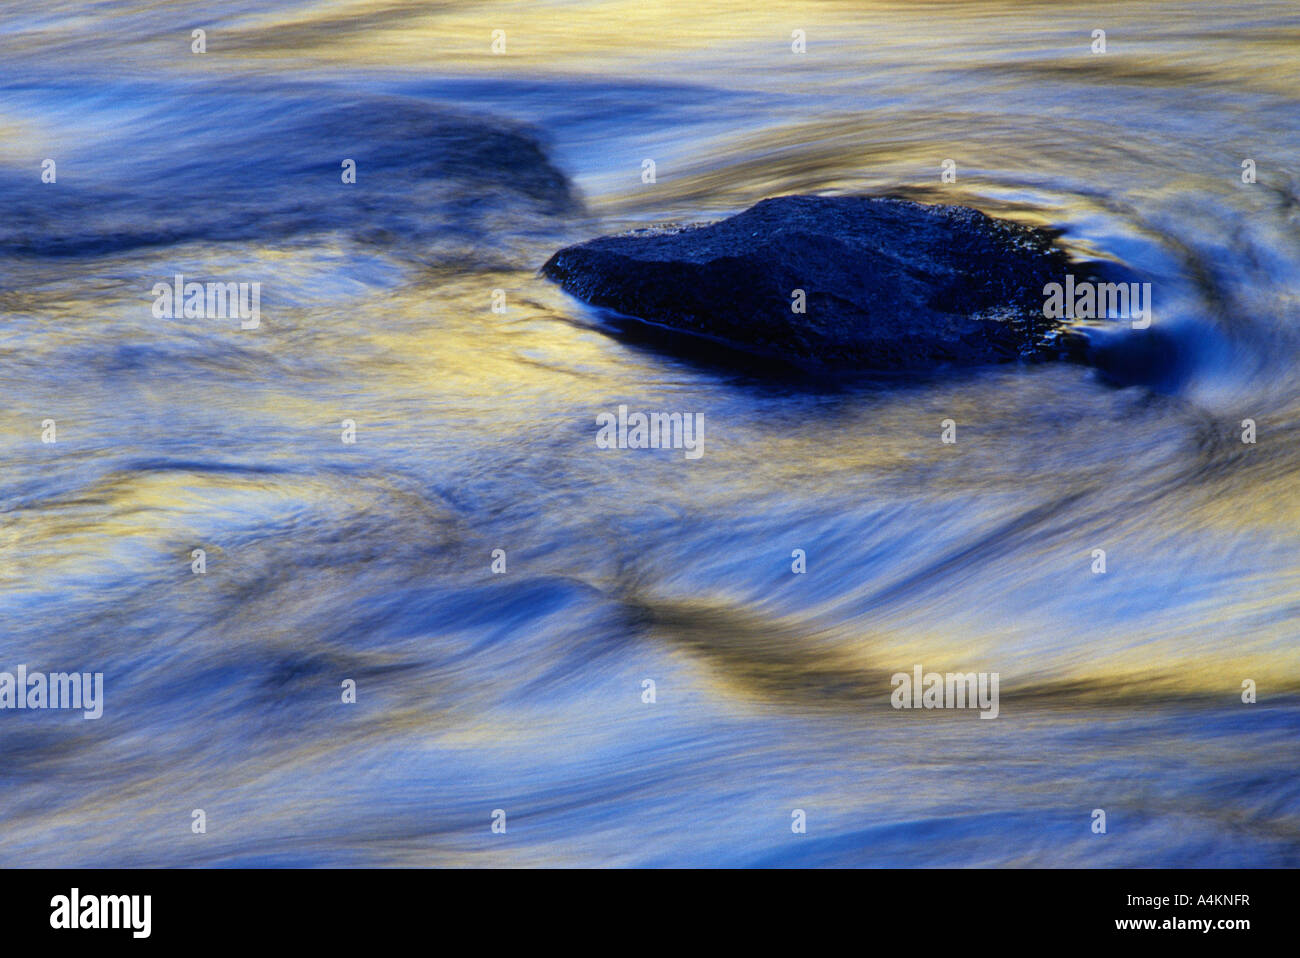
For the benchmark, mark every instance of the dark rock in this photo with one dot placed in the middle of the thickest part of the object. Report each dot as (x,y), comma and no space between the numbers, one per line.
(890,284)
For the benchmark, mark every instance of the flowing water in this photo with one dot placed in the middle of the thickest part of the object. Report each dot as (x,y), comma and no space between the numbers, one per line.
(475,431)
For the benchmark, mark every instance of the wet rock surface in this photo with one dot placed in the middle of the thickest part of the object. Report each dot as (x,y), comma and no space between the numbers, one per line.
(887,284)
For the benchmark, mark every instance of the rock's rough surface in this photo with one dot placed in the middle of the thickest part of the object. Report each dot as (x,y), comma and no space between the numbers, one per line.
(889,284)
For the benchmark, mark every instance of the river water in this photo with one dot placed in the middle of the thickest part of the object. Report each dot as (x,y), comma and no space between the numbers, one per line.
(523,691)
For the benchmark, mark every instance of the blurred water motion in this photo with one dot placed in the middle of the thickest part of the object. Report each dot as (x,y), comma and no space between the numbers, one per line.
(475,432)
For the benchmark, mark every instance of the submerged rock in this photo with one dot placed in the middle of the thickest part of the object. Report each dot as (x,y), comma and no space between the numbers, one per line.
(387,170)
(887,284)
